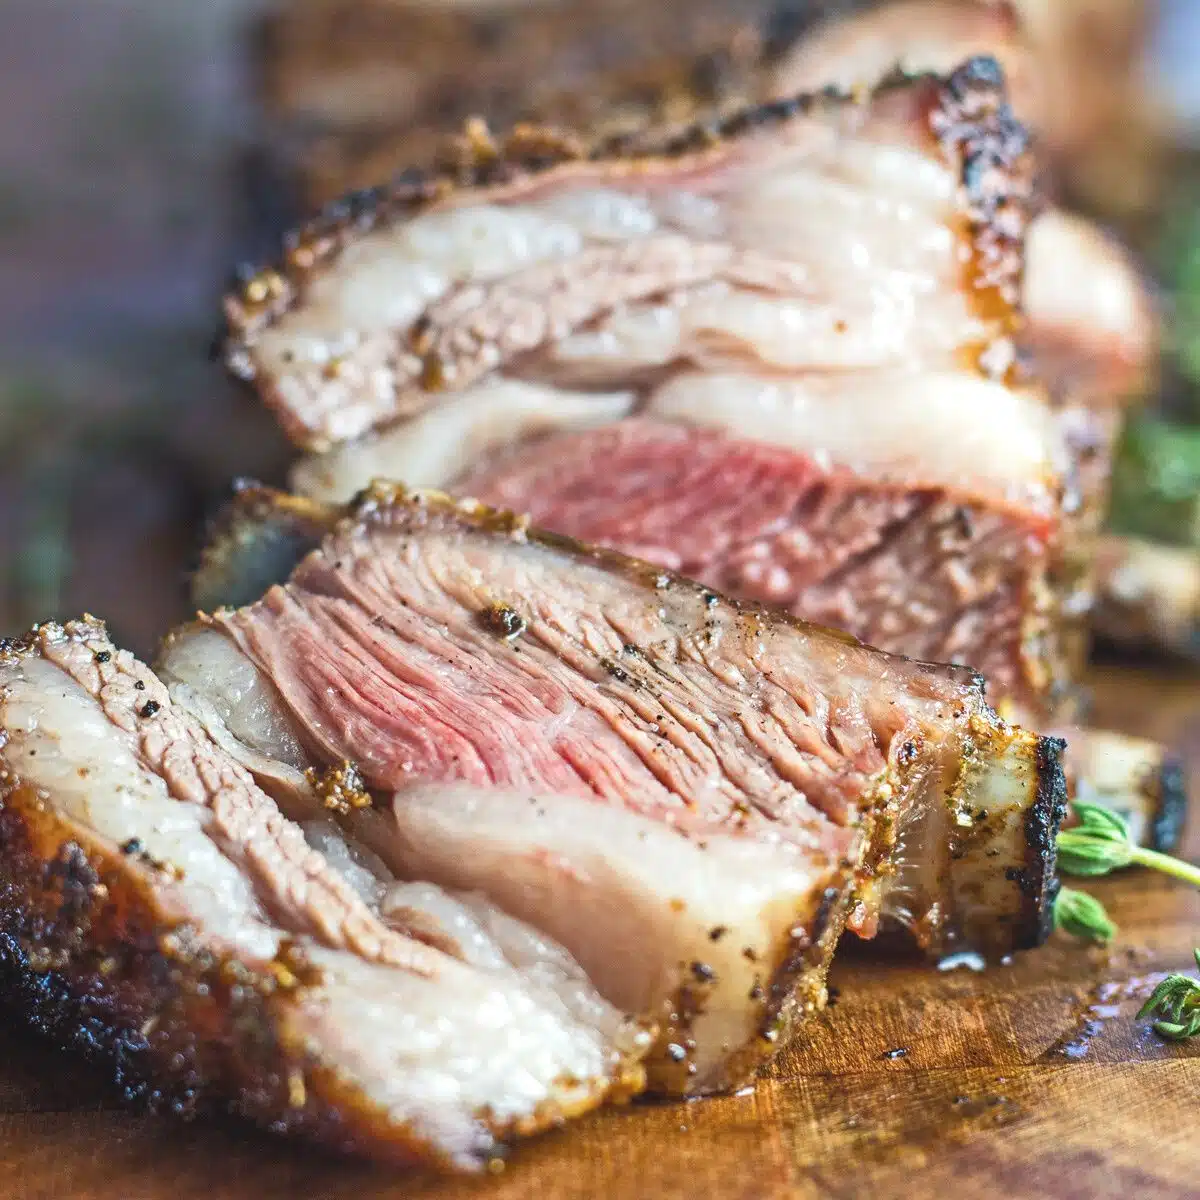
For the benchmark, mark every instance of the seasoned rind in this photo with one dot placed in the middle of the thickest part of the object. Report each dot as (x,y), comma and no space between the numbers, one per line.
(965,117)
(1026,768)
(90,957)
(98,952)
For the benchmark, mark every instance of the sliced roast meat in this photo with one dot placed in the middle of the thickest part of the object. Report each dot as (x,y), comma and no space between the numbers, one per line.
(925,569)
(783,343)
(690,795)
(159,911)
(486,270)
(842,446)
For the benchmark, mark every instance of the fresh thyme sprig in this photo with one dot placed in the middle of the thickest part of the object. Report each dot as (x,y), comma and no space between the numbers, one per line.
(1176,1004)
(1100,843)
(1082,916)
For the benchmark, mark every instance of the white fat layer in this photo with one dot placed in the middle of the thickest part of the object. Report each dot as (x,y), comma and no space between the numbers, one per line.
(516,1028)
(983,814)
(634,902)
(363,870)
(948,427)
(436,1055)
(443,442)
(719,326)
(60,740)
(1079,281)
(212,667)
(864,220)
(470,928)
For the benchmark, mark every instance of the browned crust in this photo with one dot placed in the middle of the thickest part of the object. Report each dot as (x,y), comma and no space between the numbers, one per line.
(1038,880)
(975,125)
(94,955)
(92,960)
(967,113)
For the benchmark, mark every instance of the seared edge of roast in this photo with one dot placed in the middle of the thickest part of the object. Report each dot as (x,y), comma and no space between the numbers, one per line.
(966,117)
(105,944)
(1003,807)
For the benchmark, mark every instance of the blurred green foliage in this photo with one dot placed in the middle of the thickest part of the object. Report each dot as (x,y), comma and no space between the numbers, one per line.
(1156,477)
(1156,481)
(1178,263)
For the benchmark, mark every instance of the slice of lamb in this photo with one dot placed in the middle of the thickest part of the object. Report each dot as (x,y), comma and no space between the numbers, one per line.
(1138,778)
(158,911)
(836,212)
(600,746)
(804,273)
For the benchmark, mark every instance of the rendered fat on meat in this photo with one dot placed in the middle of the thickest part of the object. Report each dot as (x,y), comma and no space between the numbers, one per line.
(690,795)
(158,912)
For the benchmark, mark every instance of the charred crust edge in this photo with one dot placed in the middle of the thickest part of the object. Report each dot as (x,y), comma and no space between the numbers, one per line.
(975,122)
(1038,879)
(90,960)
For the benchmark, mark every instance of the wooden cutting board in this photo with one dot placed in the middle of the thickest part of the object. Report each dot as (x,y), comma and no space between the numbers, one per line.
(1031,1079)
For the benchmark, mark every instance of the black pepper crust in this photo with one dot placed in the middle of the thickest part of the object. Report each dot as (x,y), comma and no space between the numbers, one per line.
(975,125)
(966,113)
(1038,880)
(92,960)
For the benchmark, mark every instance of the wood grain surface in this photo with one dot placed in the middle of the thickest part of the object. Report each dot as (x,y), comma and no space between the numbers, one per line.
(1028,1079)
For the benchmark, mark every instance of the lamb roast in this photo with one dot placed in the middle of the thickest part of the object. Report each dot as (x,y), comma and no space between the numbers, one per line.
(158,911)
(465,827)
(777,352)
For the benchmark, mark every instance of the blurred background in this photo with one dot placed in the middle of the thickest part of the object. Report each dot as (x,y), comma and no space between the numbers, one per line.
(147,147)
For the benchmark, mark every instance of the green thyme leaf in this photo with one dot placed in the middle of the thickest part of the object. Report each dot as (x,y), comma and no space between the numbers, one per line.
(1082,916)
(1176,1004)
(1100,843)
